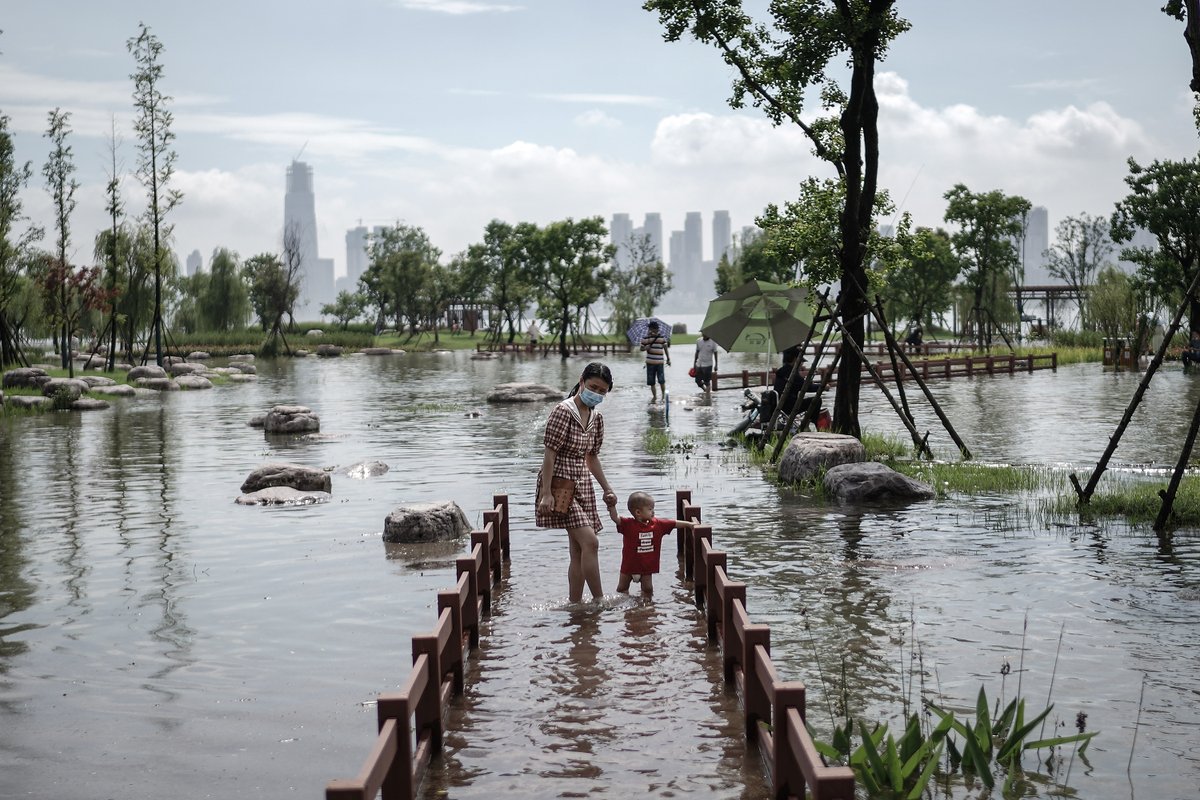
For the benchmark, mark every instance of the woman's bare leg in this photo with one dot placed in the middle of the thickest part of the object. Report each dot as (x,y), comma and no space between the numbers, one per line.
(585,564)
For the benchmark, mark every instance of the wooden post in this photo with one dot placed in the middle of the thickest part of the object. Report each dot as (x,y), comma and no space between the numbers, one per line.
(500,501)
(1168,496)
(399,780)
(702,535)
(757,702)
(734,592)
(682,498)
(788,779)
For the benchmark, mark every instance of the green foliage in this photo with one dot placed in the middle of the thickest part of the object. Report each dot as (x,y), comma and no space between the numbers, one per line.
(1112,303)
(498,270)
(565,259)
(274,288)
(988,224)
(920,285)
(396,280)
(346,307)
(758,259)
(225,303)
(886,767)
(636,286)
(1164,199)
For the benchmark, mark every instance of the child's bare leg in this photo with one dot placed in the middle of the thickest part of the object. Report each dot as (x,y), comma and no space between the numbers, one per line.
(623,583)
(647,584)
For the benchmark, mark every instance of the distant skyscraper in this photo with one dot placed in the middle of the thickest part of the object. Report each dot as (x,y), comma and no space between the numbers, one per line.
(1037,242)
(653,228)
(195,263)
(677,262)
(619,234)
(693,246)
(300,231)
(356,254)
(722,234)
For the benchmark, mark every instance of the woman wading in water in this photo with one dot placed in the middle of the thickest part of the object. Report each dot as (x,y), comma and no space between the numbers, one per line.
(574,434)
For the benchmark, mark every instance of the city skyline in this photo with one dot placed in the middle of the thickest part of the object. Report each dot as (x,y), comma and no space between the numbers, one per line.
(1042,100)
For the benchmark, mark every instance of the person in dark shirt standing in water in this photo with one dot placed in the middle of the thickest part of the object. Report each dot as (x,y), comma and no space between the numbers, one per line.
(658,358)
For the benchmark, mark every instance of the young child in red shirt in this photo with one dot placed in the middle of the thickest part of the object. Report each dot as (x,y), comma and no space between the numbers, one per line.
(643,534)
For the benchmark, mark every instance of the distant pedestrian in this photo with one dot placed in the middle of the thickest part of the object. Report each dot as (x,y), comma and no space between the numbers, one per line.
(658,358)
(705,361)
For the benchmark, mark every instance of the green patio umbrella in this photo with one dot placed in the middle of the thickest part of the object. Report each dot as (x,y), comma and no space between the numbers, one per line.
(759,317)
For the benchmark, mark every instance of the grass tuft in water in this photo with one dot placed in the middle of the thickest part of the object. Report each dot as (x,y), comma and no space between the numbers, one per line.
(1138,502)
(656,441)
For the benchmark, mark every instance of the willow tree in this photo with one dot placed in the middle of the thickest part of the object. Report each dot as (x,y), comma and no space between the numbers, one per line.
(780,68)
(156,159)
(14,245)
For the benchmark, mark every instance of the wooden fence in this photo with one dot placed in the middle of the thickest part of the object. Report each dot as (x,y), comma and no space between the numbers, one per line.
(550,347)
(410,721)
(773,709)
(928,368)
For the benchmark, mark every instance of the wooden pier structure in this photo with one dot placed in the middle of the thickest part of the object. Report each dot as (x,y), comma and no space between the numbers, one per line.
(410,725)
(927,368)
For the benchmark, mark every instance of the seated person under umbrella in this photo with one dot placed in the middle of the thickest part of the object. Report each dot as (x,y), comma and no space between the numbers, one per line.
(792,359)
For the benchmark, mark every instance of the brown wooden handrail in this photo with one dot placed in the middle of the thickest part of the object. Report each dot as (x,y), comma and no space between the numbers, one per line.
(411,721)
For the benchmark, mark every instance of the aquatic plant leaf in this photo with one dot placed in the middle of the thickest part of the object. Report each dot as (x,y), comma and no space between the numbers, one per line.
(827,750)
(955,756)
(870,750)
(918,788)
(979,762)
(1004,722)
(912,739)
(892,760)
(1012,745)
(1060,740)
(983,725)
(955,723)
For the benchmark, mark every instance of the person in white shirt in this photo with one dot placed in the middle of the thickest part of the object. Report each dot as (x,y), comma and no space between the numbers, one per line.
(705,361)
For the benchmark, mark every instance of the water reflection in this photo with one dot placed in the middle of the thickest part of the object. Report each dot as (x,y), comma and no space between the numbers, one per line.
(240,644)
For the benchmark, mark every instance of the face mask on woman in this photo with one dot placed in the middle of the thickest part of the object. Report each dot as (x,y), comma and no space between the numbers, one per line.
(589,398)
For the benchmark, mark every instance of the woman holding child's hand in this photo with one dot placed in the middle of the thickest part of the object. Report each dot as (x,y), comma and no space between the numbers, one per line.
(574,434)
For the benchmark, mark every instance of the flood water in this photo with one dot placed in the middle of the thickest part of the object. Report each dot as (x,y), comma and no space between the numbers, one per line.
(158,641)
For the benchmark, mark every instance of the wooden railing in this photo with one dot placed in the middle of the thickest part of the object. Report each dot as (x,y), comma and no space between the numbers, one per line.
(773,709)
(550,347)
(410,721)
(928,368)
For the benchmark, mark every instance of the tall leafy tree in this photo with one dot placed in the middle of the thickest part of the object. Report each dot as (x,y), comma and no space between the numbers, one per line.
(921,285)
(400,259)
(58,171)
(988,225)
(567,260)
(441,289)
(1112,304)
(1164,199)
(274,289)
(500,267)
(156,159)
(14,244)
(1081,247)
(634,290)
(345,308)
(808,46)
(224,304)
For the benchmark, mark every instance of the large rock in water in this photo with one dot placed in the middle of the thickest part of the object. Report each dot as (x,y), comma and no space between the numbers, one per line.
(426,522)
(25,378)
(193,381)
(871,481)
(70,389)
(808,453)
(297,476)
(524,393)
(291,419)
(146,371)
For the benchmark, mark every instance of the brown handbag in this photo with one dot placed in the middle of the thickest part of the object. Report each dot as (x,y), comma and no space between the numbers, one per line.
(563,491)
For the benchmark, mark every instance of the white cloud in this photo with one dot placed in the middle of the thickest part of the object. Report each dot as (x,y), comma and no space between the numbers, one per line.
(706,141)
(595,118)
(458,7)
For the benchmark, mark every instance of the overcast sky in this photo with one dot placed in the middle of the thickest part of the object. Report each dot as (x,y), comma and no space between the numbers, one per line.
(449,113)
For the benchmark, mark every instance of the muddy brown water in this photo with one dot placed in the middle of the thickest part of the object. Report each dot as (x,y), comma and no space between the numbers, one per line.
(157,640)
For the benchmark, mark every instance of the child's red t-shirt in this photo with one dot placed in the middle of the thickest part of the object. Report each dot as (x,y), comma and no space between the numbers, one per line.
(642,542)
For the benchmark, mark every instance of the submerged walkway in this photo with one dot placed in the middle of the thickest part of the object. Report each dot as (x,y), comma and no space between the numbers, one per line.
(623,696)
